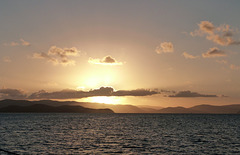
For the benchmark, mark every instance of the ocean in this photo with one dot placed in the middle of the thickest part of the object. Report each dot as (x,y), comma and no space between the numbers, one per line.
(119,134)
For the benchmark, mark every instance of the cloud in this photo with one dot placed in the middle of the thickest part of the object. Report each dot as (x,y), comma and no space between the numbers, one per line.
(107,60)
(222,40)
(222,61)
(221,35)
(214,52)
(165,47)
(22,42)
(207,27)
(7,59)
(190,94)
(231,66)
(137,92)
(189,56)
(234,67)
(103,91)
(57,55)
(12,94)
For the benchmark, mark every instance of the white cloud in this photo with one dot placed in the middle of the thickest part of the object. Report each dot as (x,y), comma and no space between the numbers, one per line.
(165,47)
(57,55)
(189,56)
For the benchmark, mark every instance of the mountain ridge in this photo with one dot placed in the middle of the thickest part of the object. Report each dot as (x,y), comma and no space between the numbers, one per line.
(198,109)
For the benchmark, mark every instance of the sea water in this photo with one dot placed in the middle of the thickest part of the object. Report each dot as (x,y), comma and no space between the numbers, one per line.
(119,133)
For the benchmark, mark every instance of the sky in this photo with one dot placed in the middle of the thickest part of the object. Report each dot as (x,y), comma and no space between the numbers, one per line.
(161,53)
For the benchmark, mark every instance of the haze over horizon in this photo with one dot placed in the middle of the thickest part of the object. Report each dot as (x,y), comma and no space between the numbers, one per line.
(155,53)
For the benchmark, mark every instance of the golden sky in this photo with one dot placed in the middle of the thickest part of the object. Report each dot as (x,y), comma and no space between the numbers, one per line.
(160,52)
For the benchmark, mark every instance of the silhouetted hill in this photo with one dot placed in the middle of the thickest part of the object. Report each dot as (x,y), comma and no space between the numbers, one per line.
(179,110)
(8,102)
(226,109)
(115,108)
(204,109)
(41,108)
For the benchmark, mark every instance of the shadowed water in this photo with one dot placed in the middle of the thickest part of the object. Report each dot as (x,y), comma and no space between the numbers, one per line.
(119,133)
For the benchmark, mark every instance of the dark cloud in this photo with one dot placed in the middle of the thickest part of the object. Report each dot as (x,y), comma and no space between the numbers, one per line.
(214,52)
(137,92)
(12,94)
(107,60)
(103,91)
(57,55)
(190,94)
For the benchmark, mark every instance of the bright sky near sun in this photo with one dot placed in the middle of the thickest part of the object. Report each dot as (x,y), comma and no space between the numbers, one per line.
(167,44)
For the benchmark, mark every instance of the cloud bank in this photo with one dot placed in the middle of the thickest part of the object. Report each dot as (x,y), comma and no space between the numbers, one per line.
(165,47)
(107,60)
(58,56)
(12,94)
(222,35)
(190,94)
(103,91)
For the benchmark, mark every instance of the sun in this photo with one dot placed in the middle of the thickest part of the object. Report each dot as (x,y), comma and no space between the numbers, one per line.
(104,99)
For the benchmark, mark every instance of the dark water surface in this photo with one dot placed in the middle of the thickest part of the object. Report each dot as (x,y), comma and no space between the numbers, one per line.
(119,133)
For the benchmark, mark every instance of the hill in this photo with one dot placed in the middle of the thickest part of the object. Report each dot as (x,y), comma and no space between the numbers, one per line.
(179,110)
(115,108)
(204,109)
(41,108)
(226,109)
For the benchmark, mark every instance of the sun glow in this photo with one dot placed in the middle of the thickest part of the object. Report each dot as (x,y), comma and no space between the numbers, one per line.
(104,99)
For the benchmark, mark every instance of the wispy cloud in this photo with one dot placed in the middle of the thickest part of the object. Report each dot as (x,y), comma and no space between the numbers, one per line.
(222,62)
(57,55)
(231,66)
(234,67)
(21,42)
(24,43)
(7,59)
(107,60)
(221,35)
(189,56)
(165,47)
(213,52)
